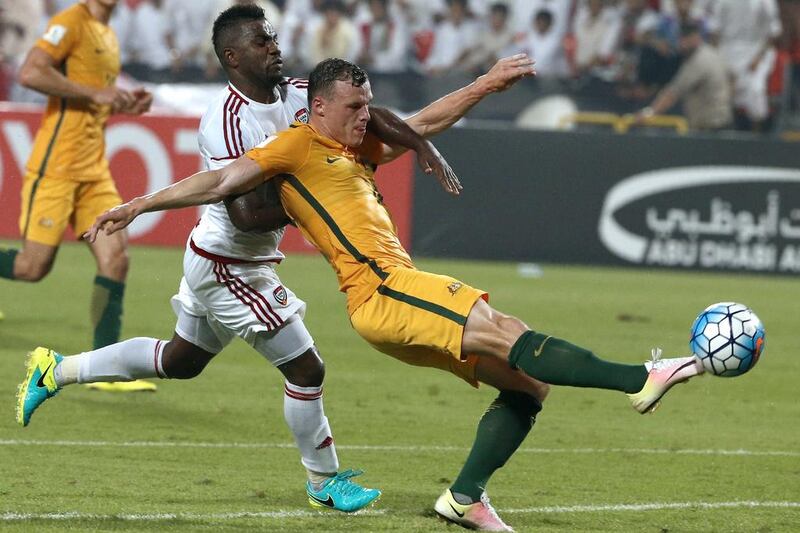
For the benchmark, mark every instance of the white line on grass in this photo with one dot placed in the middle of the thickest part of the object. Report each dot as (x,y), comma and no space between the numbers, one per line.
(198,517)
(397,448)
(135,517)
(662,506)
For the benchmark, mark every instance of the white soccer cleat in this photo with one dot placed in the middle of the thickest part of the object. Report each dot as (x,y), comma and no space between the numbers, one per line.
(479,515)
(663,374)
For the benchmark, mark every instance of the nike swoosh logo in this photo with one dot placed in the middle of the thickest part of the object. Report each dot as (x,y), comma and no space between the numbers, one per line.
(327,502)
(332,160)
(538,351)
(685,365)
(460,515)
(40,382)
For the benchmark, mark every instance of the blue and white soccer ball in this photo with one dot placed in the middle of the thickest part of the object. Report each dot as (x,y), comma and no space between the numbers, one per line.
(728,338)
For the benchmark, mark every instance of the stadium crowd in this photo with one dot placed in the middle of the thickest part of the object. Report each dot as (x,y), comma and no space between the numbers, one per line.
(625,50)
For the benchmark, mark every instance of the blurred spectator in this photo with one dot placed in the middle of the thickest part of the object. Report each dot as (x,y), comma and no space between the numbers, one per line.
(298,16)
(524,10)
(453,38)
(188,23)
(420,18)
(120,22)
(701,83)
(20,26)
(147,44)
(701,9)
(545,46)
(495,40)
(332,35)
(746,33)
(597,28)
(660,57)
(639,22)
(385,39)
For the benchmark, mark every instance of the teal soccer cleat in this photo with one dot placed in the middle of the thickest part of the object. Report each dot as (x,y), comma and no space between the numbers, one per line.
(341,494)
(39,384)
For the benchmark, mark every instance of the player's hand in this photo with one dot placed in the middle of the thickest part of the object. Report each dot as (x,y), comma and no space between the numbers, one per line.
(112,221)
(432,162)
(113,96)
(142,100)
(506,72)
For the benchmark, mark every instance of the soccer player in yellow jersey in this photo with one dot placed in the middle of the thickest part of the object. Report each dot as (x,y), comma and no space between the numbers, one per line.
(67,181)
(325,170)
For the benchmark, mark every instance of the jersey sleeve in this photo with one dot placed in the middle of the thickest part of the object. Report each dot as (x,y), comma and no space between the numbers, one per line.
(371,149)
(283,153)
(63,32)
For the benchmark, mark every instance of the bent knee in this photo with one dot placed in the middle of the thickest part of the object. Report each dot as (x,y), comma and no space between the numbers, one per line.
(31,269)
(114,265)
(305,370)
(182,365)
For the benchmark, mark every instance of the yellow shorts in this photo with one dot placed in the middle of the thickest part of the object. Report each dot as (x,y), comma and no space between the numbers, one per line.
(50,204)
(419,318)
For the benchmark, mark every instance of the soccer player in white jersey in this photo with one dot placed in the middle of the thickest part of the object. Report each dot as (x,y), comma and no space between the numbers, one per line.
(230,287)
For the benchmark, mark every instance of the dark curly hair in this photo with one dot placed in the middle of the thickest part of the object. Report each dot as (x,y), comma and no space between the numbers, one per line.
(227,23)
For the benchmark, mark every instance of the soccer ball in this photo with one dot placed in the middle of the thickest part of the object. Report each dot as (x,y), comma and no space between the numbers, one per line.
(728,338)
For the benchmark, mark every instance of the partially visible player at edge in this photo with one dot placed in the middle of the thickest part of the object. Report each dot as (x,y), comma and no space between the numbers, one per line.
(229,286)
(67,181)
(435,320)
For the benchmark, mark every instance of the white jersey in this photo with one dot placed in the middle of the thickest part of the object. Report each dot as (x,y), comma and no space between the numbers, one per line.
(231,125)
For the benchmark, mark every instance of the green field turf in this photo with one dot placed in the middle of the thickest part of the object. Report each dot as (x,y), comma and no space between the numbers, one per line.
(213,454)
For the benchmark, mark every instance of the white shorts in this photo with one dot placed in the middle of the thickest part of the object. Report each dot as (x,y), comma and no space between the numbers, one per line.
(245,300)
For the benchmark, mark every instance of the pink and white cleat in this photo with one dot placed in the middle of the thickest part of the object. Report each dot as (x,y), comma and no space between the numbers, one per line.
(479,515)
(663,374)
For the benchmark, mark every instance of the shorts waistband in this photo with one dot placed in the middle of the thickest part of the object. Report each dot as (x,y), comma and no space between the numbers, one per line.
(226,260)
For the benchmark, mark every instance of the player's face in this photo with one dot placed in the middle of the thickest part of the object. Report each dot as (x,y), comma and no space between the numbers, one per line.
(346,113)
(259,55)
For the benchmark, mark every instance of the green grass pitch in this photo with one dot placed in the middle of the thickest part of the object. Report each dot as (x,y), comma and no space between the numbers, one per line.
(213,454)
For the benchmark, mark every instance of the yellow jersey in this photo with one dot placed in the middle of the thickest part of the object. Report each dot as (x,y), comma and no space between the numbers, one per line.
(329,191)
(70,143)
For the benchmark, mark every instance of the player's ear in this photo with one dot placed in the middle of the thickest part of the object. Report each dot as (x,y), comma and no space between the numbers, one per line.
(318,106)
(231,57)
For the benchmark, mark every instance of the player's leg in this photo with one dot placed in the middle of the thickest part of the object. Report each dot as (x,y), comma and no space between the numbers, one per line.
(419,319)
(291,349)
(558,362)
(46,207)
(249,301)
(111,256)
(192,346)
(501,430)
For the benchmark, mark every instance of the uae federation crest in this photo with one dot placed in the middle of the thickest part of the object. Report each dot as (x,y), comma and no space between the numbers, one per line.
(280,295)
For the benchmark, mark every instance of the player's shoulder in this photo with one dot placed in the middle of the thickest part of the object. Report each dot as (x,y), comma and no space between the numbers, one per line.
(67,23)
(76,14)
(226,105)
(296,84)
(226,130)
(293,89)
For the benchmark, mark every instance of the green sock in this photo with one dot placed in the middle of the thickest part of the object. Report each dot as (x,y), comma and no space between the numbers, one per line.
(503,427)
(106,310)
(557,362)
(7,263)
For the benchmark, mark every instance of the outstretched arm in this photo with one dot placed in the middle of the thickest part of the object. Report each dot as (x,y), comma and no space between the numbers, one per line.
(448,109)
(205,187)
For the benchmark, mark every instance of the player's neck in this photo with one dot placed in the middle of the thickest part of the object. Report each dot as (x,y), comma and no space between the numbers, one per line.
(264,94)
(99,11)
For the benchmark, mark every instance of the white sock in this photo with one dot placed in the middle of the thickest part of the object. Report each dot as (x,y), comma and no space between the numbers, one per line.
(125,361)
(302,408)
